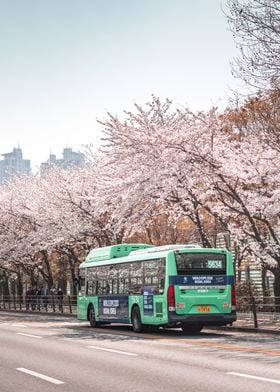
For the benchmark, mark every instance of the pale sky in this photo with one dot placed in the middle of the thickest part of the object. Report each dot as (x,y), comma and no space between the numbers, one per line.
(66,63)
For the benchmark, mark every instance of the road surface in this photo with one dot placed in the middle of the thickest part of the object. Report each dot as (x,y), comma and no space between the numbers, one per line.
(45,353)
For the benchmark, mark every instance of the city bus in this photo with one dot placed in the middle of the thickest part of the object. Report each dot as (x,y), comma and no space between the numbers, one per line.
(181,286)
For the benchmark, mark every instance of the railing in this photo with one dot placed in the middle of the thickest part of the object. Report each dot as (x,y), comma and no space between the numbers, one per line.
(51,303)
(258,309)
(262,304)
(252,310)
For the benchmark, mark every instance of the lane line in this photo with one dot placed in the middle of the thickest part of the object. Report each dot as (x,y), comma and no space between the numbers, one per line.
(114,351)
(31,336)
(254,377)
(19,325)
(39,375)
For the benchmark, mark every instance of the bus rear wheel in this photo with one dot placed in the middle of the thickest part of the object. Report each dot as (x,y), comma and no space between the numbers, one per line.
(91,316)
(137,325)
(191,328)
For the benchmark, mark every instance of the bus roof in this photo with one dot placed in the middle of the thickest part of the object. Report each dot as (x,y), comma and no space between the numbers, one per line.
(165,248)
(113,254)
(114,251)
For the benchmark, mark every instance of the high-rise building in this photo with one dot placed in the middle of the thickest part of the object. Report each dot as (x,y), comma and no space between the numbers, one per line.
(13,163)
(70,159)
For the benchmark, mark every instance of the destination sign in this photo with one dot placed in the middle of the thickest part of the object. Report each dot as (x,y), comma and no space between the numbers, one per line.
(201,280)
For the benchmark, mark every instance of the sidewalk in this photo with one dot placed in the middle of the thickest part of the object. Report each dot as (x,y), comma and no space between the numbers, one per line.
(247,325)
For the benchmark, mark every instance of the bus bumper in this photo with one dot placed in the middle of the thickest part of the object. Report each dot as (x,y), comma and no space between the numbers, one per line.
(203,319)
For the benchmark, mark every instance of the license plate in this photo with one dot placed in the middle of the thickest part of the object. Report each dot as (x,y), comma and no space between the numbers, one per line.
(203,309)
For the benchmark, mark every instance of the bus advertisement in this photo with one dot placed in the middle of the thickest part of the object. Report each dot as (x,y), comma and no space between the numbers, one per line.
(169,286)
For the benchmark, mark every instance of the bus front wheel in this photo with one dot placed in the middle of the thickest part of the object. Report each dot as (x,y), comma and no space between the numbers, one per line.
(91,316)
(137,325)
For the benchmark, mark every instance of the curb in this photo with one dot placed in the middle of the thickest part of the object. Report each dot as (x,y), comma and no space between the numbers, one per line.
(249,330)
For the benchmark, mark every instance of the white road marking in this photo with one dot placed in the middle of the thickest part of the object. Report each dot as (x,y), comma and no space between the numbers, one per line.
(31,336)
(254,377)
(39,375)
(19,325)
(114,351)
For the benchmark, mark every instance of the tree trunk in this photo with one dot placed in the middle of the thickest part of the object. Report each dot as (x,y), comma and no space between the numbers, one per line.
(265,291)
(19,285)
(276,288)
(49,276)
(33,280)
(6,288)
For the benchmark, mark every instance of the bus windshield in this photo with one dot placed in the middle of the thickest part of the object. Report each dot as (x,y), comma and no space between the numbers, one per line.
(206,263)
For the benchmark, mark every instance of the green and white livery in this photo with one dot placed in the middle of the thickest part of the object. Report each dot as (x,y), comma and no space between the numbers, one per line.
(170,286)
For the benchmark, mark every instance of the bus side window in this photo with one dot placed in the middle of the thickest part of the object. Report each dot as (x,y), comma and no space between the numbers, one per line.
(98,287)
(90,288)
(161,275)
(123,286)
(136,286)
(82,281)
(115,286)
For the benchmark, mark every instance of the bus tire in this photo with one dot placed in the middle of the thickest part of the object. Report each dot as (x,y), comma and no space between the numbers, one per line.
(137,325)
(191,328)
(91,316)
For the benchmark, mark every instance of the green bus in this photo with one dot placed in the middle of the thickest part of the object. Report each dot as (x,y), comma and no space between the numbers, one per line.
(170,286)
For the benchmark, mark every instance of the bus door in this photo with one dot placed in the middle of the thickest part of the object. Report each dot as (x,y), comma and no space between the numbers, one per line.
(153,288)
(81,299)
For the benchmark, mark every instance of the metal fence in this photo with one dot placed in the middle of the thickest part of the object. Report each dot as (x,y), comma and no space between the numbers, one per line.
(260,303)
(258,310)
(51,303)
(251,309)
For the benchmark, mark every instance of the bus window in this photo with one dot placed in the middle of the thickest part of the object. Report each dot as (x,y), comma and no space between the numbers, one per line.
(82,282)
(91,281)
(154,271)
(124,278)
(206,263)
(136,278)
(108,288)
(123,286)
(136,286)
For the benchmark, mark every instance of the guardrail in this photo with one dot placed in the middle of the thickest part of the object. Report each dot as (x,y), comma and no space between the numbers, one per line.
(249,309)
(258,309)
(51,303)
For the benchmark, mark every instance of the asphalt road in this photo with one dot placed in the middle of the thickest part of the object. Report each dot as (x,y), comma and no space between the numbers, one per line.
(44,353)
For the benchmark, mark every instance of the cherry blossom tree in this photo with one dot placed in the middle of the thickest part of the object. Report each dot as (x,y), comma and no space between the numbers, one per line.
(247,183)
(216,172)
(60,213)
(198,167)
(21,229)
(256,28)
(153,161)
